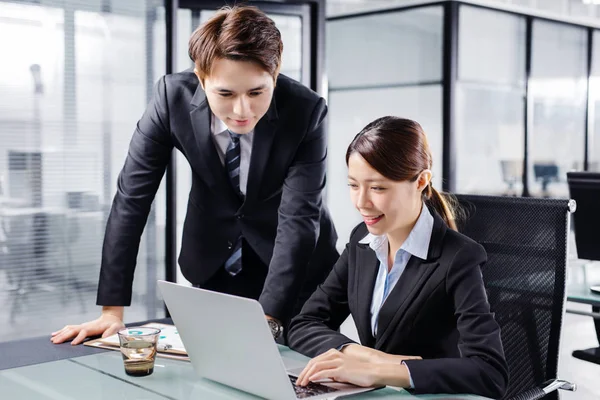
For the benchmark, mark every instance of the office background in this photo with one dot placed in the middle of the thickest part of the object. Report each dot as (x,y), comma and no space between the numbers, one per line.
(507,91)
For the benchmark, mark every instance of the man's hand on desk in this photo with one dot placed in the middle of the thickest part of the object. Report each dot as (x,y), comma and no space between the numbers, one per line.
(109,323)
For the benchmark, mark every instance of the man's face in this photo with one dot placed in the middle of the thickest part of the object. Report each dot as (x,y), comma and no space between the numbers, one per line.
(239,93)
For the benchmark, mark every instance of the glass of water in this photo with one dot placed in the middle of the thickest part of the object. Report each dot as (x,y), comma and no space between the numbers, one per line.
(138,347)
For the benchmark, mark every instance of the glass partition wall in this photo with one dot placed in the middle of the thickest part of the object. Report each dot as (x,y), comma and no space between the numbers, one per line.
(557,93)
(377,65)
(77,76)
(508,100)
(490,92)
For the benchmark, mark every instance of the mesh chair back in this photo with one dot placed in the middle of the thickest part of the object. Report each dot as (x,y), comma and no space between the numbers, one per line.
(526,243)
(584,188)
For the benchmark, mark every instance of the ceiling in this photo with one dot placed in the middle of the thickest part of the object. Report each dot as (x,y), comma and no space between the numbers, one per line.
(579,9)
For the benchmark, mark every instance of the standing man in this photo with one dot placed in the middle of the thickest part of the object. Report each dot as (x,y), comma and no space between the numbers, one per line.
(256,225)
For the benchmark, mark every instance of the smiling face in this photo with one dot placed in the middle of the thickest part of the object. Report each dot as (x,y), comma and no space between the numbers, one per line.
(239,93)
(387,207)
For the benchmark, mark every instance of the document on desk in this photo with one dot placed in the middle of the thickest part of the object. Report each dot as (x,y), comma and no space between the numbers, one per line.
(169,342)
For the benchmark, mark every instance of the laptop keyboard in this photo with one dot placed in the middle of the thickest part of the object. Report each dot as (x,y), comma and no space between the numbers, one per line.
(310,390)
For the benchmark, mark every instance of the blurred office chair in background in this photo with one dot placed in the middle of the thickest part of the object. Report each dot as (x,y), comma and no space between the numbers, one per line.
(512,174)
(545,173)
(525,275)
(39,259)
(27,240)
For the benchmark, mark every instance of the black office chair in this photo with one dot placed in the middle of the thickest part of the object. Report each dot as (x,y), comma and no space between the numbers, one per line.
(584,188)
(526,243)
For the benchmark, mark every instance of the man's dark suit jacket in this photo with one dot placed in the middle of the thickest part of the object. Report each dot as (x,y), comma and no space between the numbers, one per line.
(438,310)
(282,217)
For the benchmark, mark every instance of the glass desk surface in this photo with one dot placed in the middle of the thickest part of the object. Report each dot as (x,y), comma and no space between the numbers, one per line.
(579,280)
(102,376)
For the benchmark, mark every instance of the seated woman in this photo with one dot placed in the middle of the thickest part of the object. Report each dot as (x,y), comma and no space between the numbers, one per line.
(412,283)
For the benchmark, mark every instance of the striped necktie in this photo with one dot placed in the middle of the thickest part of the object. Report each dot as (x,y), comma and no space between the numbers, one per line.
(233,265)
(232,161)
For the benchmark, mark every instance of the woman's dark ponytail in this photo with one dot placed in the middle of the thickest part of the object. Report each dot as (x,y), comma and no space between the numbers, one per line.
(444,204)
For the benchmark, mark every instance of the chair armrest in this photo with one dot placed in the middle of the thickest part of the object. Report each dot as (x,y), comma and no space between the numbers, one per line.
(545,388)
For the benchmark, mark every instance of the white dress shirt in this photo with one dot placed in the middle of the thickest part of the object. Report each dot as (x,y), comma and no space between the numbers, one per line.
(416,244)
(221,138)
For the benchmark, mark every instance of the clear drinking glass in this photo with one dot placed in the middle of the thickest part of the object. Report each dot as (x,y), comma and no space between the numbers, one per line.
(138,347)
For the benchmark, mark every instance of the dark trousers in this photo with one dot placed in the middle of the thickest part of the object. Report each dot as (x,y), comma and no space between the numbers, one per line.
(248,283)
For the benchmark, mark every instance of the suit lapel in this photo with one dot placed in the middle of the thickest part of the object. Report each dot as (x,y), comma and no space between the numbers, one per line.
(200,117)
(366,268)
(410,284)
(264,135)
(401,297)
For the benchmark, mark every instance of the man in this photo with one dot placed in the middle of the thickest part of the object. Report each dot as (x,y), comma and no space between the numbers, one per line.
(255,140)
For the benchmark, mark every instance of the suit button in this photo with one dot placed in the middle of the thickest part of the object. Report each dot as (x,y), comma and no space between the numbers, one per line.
(229,245)
(240,216)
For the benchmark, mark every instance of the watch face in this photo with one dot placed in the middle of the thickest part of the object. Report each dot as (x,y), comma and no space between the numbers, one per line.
(274,328)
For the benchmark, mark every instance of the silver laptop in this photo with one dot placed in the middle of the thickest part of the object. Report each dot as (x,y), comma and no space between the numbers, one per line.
(229,341)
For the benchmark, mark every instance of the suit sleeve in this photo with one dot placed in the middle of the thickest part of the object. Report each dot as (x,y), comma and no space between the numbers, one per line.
(298,220)
(314,330)
(149,153)
(482,368)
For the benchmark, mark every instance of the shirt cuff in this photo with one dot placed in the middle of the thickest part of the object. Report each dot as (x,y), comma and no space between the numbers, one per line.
(340,348)
(412,384)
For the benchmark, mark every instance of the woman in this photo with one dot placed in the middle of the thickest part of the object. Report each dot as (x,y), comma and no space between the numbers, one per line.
(412,283)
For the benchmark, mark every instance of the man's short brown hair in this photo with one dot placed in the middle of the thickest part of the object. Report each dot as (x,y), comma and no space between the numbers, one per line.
(240,33)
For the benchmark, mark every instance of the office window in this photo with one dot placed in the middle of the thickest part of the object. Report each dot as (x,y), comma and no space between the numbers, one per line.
(387,48)
(76,78)
(489,135)
(378,65)
(558,94)
(594,132)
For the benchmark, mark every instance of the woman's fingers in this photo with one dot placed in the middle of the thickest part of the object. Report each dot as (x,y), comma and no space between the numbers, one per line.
(318,367)
(332,353)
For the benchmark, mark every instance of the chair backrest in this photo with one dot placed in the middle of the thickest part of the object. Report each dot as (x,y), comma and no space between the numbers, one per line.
(526,243)
(584,188)
(545,171)
(512,170)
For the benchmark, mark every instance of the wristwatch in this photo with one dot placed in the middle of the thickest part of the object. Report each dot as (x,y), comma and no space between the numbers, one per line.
(276,327)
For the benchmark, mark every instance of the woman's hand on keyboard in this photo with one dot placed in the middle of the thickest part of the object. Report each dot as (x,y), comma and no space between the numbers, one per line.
(361,369)
(338,367)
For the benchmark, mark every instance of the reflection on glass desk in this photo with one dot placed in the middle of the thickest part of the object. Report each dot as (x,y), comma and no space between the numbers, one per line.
(580,279)
(101,376)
